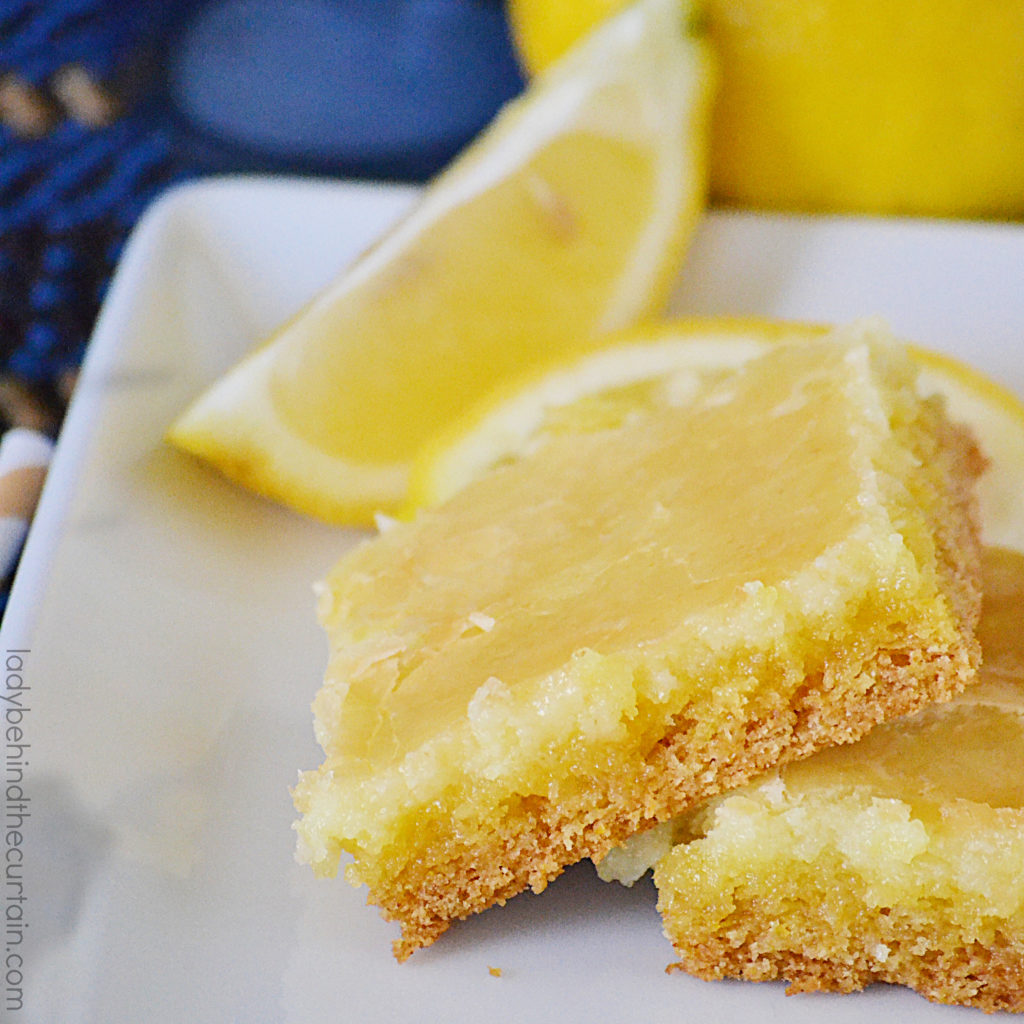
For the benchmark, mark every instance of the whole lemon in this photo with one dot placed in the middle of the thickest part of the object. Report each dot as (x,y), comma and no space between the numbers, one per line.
(883,106)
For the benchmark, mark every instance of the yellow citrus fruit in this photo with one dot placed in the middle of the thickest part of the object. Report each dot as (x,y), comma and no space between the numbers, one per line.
(644,369)
(544,29)
(567,218)
(892,106)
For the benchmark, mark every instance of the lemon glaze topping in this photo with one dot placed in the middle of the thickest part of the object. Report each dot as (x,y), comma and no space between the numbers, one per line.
(671,562)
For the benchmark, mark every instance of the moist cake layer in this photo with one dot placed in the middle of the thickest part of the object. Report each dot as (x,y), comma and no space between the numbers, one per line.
(899,858)
(597,636)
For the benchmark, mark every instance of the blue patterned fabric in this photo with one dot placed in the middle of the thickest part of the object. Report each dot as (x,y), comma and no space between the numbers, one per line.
(66,206)
(381,88)
(69,197)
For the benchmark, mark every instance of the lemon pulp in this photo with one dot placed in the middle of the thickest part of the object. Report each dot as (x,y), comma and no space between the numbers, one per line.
(556,220)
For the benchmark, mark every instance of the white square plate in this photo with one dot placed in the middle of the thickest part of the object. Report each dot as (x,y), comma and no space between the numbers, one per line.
(172,651)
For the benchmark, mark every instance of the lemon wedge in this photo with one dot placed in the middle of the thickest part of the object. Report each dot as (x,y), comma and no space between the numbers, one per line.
(647,368)
(567,218)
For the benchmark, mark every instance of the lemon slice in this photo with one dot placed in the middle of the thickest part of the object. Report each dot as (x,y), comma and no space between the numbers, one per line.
(647,368)
(637,371)
(568,217)
(997,418)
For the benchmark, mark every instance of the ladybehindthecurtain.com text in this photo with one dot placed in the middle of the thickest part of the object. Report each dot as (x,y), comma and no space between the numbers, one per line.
(14,712)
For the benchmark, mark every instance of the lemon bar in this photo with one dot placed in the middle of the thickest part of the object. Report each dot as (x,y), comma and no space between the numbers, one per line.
(899,858)
(619,625)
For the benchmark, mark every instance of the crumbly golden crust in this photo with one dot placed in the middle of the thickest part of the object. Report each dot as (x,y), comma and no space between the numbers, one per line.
(537,839)
(943,962)
(541,839)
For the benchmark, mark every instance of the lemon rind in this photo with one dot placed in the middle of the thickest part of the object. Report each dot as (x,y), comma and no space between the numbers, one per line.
(236,429)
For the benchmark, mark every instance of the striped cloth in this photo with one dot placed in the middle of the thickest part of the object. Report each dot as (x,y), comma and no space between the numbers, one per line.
(91,133)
